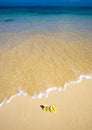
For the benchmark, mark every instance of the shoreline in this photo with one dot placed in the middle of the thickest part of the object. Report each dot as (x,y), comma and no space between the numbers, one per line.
(46,92)
(22,64)
(73,108)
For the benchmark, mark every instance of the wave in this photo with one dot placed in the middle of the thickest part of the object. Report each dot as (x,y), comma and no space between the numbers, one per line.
(47,91)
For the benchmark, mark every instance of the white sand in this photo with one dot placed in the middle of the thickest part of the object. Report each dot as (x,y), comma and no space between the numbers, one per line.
(74,110)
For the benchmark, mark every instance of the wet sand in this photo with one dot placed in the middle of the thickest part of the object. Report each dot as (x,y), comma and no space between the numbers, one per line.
(34,62)
(74,110)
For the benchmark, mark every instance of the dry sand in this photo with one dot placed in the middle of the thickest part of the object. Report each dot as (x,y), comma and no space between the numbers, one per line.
(74,110)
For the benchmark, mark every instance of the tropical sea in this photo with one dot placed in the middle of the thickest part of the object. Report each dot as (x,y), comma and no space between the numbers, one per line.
(44,48)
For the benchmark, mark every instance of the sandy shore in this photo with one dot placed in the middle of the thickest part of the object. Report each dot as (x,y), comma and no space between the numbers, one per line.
(74,110)
(35,61)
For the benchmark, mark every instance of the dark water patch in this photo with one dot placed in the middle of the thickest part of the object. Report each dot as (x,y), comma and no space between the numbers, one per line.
(8,20)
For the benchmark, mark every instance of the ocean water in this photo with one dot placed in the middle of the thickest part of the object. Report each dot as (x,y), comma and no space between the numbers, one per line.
(43,48)
(48,18)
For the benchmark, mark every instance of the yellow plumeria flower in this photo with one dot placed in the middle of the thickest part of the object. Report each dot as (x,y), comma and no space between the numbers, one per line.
(46,108)
(52,108)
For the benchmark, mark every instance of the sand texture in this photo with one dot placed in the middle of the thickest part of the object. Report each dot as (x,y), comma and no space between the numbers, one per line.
(34,62)
(74,110)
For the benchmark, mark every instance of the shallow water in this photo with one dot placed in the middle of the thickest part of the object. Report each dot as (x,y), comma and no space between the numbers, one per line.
(45,18)
(43,47)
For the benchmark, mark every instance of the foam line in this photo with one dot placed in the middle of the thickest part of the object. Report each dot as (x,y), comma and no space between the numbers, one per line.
(59,88)
(47,91)
(20,92)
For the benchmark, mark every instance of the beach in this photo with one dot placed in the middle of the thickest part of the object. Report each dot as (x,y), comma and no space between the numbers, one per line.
(45,58)
(73,110)
(41,61)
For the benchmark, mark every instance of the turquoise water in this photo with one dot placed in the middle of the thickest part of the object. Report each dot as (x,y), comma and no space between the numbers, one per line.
(45,18)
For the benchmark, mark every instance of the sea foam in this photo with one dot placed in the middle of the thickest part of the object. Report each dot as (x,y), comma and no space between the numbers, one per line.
(47,91)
